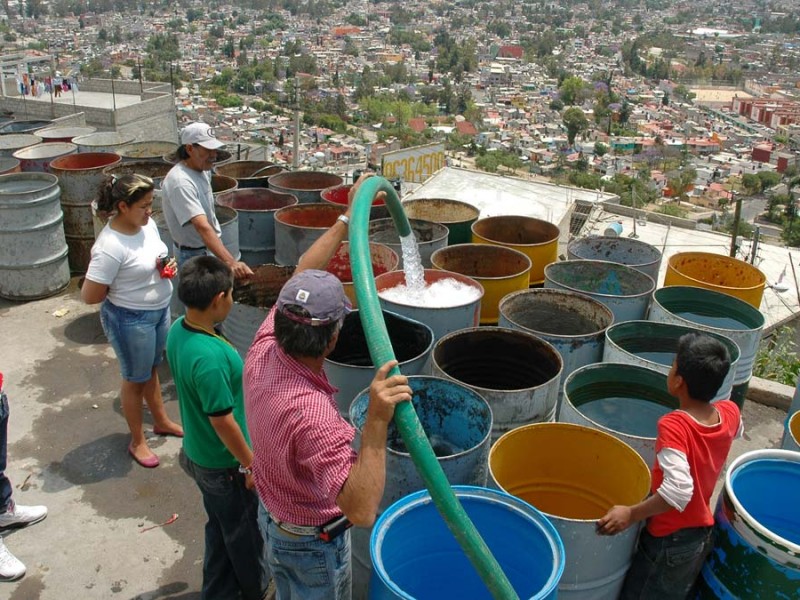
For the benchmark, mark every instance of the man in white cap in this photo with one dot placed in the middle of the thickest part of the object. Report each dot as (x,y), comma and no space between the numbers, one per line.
(188,202)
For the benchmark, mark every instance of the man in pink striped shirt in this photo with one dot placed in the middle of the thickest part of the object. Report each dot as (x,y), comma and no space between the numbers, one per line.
(311,482)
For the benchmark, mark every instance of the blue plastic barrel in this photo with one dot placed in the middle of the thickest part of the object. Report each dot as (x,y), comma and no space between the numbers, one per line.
(415,556)
(756,552)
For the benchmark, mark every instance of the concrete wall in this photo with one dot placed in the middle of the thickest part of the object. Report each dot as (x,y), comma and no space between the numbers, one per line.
(653,217)
(153,119)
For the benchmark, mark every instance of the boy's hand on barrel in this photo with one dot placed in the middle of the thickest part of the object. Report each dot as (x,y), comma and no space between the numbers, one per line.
(616,520)
(385,392)
(241,271)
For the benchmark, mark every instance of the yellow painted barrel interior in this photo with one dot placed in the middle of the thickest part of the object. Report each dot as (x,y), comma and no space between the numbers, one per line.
(794,427)
(535,238)
(716,272)
(568,471)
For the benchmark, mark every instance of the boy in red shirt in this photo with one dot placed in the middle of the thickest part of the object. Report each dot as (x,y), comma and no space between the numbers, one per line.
(692,445)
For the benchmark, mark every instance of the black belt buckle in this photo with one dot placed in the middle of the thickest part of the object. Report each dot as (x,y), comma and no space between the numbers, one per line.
(181,247)
(334,528)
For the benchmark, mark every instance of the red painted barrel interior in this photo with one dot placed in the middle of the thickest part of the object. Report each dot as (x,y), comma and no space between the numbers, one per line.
(87,160)
(383,258)
(256,199)
(338,195)
(310,215)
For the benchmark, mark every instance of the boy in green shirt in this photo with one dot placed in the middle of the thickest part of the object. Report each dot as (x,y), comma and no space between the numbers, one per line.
(207,371)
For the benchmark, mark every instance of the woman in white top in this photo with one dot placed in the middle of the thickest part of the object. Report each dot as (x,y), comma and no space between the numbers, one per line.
(127,275)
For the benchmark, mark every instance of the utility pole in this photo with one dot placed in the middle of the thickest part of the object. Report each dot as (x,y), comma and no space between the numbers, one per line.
(737,216)
(634,235)
(756,236)
(296,145)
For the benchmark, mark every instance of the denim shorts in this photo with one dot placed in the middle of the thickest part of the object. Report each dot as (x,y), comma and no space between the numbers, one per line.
(304,566)
(138,338)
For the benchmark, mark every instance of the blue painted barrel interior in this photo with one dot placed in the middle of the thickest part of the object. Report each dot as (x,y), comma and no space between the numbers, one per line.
(769,491)
(412,548)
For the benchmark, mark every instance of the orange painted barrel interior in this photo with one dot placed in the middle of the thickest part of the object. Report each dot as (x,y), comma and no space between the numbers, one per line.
(310,215)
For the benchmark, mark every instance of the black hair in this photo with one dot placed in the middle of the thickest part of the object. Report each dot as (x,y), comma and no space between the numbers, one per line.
(299,339)
(182,152)
(201,279)
(127,189)
(703,362)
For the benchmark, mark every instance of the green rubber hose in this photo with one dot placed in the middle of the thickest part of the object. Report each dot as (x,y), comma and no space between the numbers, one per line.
(405,417)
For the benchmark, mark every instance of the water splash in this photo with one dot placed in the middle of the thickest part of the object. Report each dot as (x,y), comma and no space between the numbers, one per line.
(444,293)
(412,263)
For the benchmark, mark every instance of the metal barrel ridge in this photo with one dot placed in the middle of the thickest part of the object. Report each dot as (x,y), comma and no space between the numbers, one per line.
(405,416)
(625,251)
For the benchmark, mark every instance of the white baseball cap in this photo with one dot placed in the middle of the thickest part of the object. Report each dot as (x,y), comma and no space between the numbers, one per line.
(202,134)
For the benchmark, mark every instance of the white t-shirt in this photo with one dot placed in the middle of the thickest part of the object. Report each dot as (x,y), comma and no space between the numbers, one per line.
(127,264)
(185,194)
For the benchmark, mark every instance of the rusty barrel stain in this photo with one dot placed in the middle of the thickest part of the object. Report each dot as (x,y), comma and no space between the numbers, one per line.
(80,177)
(718,273)
(756,551)
(256,209)
(498,269)
(299,226)
(515,371)
(458,423)
(306,185)
(535,238)
(574,474)
(633,253)
(457,216)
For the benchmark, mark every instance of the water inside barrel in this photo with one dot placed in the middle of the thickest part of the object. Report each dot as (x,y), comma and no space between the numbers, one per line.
(408,340)
(549,318)
(633,416)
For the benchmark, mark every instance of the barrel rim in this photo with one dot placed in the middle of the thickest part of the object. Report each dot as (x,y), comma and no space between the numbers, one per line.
(420,498)
(465,279)
(602,238)
(492,248)
(552,292)
(603,365)
(720,296)
(30,175)
(728,260)
(56,149)
(113,156)
(62,129)
(554,230)
(660,325)
(584,430)
(505,330)
(277,183)
(634,272)
(741,461)
(100,135)
(439,235)
(463,387)
(307,206)
(223,197)
(467,205)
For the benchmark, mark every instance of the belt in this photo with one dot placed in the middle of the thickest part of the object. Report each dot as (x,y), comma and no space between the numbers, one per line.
(190,247)
(297,529)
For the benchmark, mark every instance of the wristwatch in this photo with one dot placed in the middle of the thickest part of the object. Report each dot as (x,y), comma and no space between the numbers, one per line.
(344,219)
(245,470)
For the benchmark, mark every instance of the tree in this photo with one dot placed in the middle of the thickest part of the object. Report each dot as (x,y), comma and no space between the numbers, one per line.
(680,183)
(575,122)
(751,183)
(600,149)
(571,90)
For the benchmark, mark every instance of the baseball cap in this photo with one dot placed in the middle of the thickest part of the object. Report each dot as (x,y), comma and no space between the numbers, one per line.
(202,134)
(320,293)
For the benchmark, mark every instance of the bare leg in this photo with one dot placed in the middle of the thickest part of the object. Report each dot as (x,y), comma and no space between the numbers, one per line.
(155,402)
(131,395)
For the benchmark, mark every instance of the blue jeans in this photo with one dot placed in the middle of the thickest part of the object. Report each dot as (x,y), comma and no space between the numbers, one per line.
(665,568)
(235,563)
(138,338)
(181,256)
(5,484)
(303,566)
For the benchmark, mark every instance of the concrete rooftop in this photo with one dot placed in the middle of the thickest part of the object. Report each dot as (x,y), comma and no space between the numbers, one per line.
(89,99)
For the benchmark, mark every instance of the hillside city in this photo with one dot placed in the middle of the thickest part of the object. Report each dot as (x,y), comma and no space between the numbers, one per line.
(675,107)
